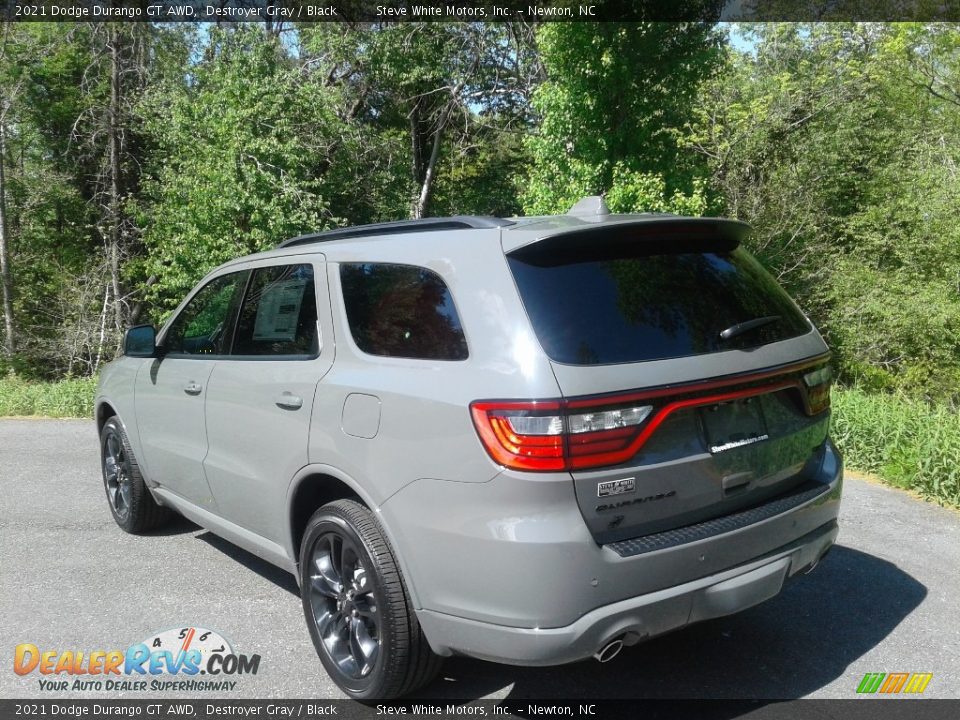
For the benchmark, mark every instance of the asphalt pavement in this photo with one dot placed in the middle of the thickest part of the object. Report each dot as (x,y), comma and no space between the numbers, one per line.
(886,599)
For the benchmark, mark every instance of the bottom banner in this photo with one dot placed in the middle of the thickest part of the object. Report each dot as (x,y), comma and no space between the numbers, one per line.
(206,709)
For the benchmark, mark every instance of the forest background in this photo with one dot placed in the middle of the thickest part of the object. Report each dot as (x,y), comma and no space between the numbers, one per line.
(136,157)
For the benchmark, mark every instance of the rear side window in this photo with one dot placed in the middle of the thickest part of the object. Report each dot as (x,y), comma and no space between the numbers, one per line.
(279,313)
(401,311)
(594,307)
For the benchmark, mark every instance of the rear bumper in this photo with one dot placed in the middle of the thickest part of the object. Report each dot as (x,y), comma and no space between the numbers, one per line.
(635,619)
(507,570)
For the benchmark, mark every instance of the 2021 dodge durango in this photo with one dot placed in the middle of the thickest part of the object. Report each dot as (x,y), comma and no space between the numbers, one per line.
(530,441)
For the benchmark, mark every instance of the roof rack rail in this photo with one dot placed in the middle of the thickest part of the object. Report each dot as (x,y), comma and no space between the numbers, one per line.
(457,222)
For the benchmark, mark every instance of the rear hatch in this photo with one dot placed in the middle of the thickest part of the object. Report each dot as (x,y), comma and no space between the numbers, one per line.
(692,384)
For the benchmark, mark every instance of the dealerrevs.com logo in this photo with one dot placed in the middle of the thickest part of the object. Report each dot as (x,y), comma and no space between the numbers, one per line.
(168,661)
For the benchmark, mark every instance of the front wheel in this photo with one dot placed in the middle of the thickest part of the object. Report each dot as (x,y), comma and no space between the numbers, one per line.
(131,504)
(357,609)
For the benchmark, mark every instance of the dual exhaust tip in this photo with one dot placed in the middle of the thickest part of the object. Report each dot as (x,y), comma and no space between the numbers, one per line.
(810,568)
(609,651)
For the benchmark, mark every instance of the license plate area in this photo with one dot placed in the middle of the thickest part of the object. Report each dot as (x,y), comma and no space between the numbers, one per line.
(733,424)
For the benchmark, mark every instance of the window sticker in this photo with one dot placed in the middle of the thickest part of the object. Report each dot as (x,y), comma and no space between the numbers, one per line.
(279,311)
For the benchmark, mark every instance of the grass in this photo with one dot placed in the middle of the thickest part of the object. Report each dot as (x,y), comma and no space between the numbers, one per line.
(62,399)
(908,443)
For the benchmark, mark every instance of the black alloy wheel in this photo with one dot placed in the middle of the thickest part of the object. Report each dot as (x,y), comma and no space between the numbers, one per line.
(357,609)
(131,504)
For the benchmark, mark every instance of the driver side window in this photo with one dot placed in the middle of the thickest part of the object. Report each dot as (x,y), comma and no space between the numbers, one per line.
(204,326)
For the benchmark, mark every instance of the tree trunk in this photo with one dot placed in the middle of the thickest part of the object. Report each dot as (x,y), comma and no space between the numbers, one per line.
(425,174)
(115,140)
(9,343)
(422,205)
(103,328)
(415,163)
(138,308)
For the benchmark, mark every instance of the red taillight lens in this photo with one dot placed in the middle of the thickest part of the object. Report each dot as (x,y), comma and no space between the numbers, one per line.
(521,435)
(543,436)
(817,385)
(591,432)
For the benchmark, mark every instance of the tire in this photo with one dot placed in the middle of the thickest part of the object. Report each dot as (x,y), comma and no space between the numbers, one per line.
(357,608)
(131,504)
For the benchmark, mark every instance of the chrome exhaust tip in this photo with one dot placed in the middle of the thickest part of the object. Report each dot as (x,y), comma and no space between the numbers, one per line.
(609,651)
(816,562)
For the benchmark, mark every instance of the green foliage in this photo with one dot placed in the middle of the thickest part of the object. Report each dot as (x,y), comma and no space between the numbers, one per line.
(615,98)
(481,179)
(632,192)
(444,101)
(72,398)
(47,196)
(839,143)
(907,442)
(242,151)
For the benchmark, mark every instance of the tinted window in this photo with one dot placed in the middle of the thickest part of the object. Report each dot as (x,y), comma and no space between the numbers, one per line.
(591,308)
(279,313)
(203,326)
(401,311)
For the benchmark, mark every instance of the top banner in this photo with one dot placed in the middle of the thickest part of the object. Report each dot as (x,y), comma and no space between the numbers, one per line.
(308,11)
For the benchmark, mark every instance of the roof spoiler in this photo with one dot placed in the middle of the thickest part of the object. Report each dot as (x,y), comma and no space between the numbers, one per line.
(651,234)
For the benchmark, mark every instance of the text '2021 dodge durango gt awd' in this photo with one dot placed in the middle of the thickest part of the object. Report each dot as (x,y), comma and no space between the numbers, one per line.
(529,441)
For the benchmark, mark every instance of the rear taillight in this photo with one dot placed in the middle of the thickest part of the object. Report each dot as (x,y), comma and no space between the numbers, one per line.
(545,436)
(591,432)
(817,387)
(521,435)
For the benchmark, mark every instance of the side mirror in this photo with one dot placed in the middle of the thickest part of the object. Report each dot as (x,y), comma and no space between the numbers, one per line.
(140,341)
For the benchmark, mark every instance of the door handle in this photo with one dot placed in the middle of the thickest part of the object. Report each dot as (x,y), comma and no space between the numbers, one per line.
(289,401)
(192,388)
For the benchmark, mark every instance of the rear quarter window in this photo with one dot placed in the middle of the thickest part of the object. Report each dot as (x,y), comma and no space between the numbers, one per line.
(591,307)
(401,311)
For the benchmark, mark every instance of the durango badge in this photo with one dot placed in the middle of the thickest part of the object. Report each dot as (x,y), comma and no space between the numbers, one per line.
(603,507)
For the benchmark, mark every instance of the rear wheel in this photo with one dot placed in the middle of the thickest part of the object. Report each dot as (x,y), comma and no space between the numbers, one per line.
(357,609)
(131,504)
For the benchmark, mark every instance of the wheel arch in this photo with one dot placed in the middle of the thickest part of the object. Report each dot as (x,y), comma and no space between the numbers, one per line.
(317,485)
(106,407)
(309,492)
(104,411)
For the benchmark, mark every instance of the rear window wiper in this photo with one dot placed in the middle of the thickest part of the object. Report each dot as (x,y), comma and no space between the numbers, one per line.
(746,326)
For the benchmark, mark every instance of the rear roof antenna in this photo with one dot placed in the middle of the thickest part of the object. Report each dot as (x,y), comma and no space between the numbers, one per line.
(592,205)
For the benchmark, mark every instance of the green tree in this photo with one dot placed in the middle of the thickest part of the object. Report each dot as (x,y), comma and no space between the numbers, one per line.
(838,143)
(610,110)
(71,161)
(244,145)
(434,103)
(76,151)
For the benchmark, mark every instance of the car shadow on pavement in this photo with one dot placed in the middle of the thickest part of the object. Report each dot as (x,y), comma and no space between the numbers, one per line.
(177,525)
(280,578)
(785,648)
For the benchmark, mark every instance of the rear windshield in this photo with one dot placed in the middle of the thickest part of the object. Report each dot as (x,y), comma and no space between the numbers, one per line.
(594,307)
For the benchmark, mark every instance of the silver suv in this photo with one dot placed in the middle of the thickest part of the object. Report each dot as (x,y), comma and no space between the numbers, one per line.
(530,441)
